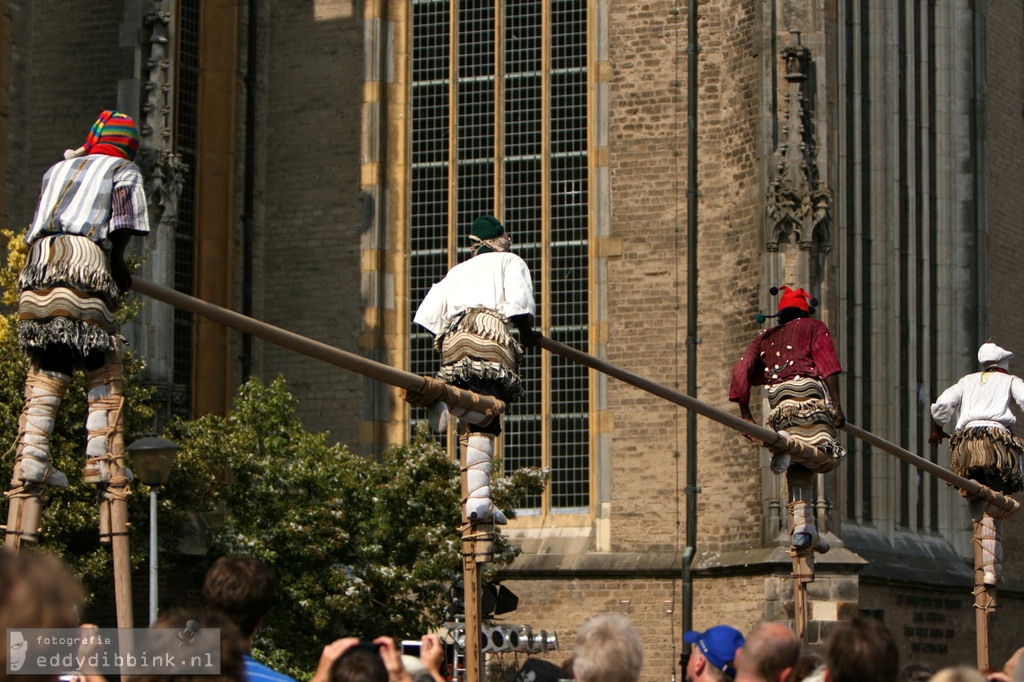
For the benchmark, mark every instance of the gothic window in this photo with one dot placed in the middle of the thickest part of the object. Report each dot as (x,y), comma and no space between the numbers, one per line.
(187,111)
(499,125)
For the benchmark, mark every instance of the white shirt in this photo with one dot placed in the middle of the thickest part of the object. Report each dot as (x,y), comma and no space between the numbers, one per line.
(983,399)
(498,281)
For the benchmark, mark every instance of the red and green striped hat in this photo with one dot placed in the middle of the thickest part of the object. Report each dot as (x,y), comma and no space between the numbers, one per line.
(113,134)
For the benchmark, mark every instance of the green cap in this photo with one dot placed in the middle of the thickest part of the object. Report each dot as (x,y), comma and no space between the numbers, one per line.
(487,227)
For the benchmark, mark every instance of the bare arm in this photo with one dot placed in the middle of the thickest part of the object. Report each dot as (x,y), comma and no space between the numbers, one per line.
(432,656)
(832,384)
(118,268)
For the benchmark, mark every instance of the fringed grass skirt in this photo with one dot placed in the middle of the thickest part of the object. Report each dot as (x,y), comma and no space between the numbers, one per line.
(477,351)
(799,407)
(989,455)
(68,297)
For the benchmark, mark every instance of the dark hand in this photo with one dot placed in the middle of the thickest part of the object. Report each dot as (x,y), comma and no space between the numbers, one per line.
(529,337)
(839,419)
(936,436)
(747,416)
(122,276)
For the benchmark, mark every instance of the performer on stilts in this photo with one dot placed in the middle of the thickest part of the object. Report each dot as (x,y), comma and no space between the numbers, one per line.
(796,361)
(983,447)
(91,204)
(471,313)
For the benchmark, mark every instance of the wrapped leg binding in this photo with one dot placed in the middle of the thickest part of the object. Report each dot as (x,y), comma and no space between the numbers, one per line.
(478,462)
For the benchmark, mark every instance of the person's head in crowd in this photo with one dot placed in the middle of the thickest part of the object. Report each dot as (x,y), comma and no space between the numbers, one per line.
(232,651)
(916,672)
(360,663)
(862,649)
(958,674)
(607,649)
(714,654)
(243,589)
(38,591)
(806,666)
(768,655)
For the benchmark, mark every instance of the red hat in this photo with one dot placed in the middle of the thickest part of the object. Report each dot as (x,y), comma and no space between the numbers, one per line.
(796,298)
(791,298)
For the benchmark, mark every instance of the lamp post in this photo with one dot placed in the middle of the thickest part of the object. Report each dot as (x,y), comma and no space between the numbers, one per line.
(152,458)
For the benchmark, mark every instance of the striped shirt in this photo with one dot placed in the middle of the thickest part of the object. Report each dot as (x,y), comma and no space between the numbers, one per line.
(91,196)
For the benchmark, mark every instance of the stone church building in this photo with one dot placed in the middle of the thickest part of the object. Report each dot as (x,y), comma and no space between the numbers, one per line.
(317,165)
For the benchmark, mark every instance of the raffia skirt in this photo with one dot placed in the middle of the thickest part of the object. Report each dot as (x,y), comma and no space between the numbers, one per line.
(800,407)
(478,353)
(68,297)
(989,455)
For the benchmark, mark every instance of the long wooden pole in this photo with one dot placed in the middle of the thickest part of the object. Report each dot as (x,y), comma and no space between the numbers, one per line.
(413,382)
(408,381)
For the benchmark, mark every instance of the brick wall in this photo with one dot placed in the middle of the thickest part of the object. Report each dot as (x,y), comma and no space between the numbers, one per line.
(1004,127)
(562,606)
(311,209)
(648,283)
(936,625)
(65,68)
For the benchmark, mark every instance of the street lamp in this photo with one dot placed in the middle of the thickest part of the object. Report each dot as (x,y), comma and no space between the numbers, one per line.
(152,458)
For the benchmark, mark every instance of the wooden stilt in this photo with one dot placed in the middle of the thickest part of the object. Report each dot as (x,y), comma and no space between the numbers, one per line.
(984,600)
(803,573)
(114,492)
(477,548)
(25,507)
(471,581)
(12,540)
(122,559)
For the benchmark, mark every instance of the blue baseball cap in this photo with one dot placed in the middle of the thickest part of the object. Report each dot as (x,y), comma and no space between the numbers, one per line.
(719,645)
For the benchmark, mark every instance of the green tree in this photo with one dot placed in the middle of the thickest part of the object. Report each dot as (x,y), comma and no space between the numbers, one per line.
(360,546)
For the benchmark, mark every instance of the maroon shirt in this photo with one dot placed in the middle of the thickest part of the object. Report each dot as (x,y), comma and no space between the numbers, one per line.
(801,347)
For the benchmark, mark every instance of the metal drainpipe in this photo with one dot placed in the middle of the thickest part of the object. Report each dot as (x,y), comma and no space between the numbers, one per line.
(692,49)
(249,185)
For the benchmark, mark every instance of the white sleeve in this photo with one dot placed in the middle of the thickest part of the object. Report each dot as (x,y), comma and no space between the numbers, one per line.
(430,314)
(1017,391)
(518,289)
(944,409)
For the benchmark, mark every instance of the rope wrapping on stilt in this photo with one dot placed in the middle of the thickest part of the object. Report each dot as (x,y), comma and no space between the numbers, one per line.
(988,538)
(105,422)
(433,390)
(984,600)
(996,506)
(117,488)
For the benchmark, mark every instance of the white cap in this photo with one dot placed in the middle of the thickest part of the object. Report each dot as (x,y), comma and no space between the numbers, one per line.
(990,354)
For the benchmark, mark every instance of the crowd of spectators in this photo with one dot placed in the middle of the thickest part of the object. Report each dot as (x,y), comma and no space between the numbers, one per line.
(38,591)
